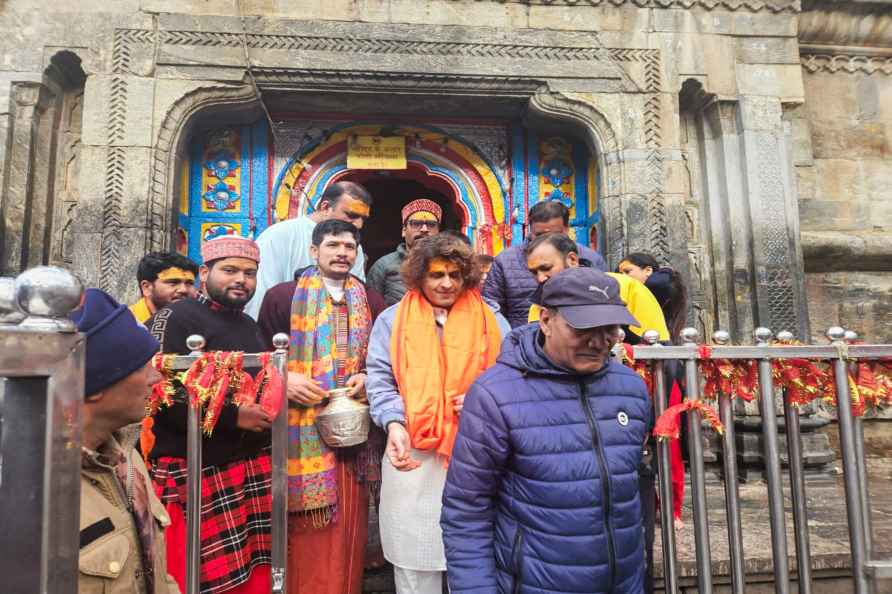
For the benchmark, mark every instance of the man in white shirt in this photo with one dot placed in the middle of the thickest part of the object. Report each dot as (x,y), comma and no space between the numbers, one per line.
(285,246)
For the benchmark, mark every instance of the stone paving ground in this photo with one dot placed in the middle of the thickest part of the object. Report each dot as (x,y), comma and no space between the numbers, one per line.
(828,526)
(828,534)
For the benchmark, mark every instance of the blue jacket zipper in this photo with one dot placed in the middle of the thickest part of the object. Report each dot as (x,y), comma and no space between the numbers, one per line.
(605,485)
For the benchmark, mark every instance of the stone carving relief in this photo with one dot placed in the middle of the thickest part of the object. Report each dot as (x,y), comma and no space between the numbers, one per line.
(131,46)
(791,6)
(848,63)
(68,174)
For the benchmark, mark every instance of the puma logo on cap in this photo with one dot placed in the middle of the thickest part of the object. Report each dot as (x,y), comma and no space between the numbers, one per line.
(603,291)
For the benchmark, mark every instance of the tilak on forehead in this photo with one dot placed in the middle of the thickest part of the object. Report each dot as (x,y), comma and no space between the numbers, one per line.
(356,206)
(442,265)
(174,273)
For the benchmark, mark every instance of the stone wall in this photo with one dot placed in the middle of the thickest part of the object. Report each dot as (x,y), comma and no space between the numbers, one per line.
(844,166)
(697,109)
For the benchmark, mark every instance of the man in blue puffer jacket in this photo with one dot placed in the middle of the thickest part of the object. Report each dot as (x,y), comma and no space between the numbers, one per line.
(542,490)
(509,282)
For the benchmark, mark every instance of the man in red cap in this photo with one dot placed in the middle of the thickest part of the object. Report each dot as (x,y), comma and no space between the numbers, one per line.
(421,218)
(236,534)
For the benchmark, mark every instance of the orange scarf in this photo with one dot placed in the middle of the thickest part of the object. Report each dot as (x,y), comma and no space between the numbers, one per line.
(440,369)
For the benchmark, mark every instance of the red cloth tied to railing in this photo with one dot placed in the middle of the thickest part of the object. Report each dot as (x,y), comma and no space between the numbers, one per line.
(803,380)
(209,380)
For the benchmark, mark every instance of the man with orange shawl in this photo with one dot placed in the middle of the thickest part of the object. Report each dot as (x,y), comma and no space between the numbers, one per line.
(424,353)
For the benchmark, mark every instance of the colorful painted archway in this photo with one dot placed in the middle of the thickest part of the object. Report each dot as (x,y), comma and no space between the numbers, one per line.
(481,193)
(238,181)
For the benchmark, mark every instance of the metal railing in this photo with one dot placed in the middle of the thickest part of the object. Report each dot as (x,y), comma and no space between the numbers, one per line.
(840,353)
(41,394)
(41,398)
(279,487)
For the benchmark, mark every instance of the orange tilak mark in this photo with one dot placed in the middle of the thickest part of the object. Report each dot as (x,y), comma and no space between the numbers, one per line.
(442,265)
(357,207)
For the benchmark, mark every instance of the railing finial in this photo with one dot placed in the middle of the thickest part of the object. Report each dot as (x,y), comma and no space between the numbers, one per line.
(835,333)
(721,337)
(195,343)
(280,341)
(651,337)
(47,294)
(689,335)
(785,336)
(762,335)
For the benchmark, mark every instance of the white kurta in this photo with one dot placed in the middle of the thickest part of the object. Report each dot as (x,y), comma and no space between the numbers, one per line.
(285,248)
(409,513)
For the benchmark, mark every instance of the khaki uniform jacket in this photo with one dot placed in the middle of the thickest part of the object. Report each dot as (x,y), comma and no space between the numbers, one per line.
(110,559)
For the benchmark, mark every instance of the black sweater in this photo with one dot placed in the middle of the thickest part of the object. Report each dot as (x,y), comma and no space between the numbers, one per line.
(223,330)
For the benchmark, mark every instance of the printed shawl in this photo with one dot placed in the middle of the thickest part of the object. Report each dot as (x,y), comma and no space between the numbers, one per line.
(430,372)
(312,475)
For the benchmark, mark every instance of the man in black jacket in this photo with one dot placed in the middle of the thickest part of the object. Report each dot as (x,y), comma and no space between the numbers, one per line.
(236,496)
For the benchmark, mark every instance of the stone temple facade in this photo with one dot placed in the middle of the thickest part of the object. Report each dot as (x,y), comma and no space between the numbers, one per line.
(746,142)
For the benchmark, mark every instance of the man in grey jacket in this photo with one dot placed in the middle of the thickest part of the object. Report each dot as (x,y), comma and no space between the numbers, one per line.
(509,283)
(421,218)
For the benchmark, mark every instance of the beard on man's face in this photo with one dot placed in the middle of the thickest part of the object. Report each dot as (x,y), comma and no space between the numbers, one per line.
(234,295)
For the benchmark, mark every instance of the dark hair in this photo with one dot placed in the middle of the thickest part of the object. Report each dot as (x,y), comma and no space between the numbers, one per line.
(545,211)
(673,298)
(558,241)
(153,263)
(333,227)
(484,259)
(457,235)
(337,190)
(448,246)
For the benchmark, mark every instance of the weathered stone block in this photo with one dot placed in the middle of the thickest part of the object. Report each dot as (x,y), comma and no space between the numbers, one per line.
(776,80)
(839,180)
(444,12)
(763,24)
(851,138)
(806,182)
(828,96)
(820,215)
(718,59)
(87,250)
(118,110)
(576,18)
(195,7)
(768,50)
(122,177)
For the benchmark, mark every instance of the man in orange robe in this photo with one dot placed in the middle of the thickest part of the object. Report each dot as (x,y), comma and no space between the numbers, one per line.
(424,353)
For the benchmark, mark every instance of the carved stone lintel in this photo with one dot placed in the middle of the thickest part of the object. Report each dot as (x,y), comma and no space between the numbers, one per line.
(785,6)
(847,63)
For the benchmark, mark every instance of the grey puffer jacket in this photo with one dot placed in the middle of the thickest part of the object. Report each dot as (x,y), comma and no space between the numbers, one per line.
(385,278)
(511,285)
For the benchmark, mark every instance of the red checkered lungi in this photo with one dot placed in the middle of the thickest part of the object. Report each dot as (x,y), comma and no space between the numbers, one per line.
(236,506)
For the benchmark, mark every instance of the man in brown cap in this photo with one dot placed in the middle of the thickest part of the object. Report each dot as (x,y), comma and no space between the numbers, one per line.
(421,218)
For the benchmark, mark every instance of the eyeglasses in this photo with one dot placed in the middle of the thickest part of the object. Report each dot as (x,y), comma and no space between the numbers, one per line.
(418,225)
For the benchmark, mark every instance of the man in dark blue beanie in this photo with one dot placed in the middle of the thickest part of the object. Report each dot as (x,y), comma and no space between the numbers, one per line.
(122,545)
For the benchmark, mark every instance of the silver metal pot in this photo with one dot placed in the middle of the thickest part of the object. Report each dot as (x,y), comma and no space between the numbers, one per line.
(343,422)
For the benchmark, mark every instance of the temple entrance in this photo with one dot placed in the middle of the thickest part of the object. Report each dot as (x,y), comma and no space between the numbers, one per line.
(391,191)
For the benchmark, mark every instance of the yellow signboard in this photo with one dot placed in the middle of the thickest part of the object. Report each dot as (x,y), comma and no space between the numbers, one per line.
(376,152)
